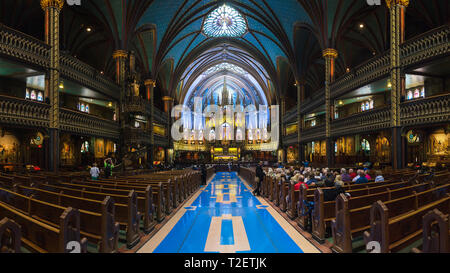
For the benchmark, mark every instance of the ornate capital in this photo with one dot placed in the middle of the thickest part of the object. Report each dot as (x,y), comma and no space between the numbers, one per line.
(120,54)
(403,3)
(299,83)
(167,98)
(150,82)
(52,4)
(330,52)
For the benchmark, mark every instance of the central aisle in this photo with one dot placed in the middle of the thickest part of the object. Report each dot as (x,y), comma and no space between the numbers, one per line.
(224,217)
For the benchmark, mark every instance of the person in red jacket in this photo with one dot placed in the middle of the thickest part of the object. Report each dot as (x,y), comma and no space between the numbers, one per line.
(301,180)
(352,173)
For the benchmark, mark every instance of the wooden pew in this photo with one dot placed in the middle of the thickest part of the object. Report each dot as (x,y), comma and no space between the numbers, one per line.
(292,206)
(284,189)
(10,236)
(37,236)
(324,212)
(91,191)
(436,233)
(395,232)
(129,207)
(304,196)
(99,227)
(302,219)
(352,215)
(165,187)
(173,191)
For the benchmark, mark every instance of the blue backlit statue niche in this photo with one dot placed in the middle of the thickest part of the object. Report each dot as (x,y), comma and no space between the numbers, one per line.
(224,21)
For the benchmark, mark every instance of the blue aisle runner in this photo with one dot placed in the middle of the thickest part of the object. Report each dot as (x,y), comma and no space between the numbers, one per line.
(226,217)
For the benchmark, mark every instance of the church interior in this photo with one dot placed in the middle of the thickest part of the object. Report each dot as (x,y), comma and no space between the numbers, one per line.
(224,126)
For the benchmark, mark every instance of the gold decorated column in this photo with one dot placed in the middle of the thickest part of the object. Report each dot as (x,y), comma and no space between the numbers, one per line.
(149,87)
(397,10)
(330,56)
(283,113)
(168,104)
(120,56)
(300,98)
(52,9)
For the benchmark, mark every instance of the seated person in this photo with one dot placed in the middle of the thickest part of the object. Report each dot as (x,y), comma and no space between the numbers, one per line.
(352,173)
(301,181)
(379,177)
(366,174)
(345,176)
(362,178)
(338,181)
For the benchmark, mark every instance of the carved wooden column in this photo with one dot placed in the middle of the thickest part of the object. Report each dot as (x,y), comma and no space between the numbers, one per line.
(330,56)
(397,29)
(282,127)
(168,104)
(52,9)
(149,87)
(120,56)
(300,98)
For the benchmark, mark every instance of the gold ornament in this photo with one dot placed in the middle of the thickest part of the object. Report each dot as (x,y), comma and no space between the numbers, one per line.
(330,52)
(403,3)
(52,3)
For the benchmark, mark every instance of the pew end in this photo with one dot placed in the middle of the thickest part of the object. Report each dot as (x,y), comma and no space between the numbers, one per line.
(435,232)
(10,236)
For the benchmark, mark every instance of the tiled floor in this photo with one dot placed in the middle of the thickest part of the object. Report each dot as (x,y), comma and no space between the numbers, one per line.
(224,217)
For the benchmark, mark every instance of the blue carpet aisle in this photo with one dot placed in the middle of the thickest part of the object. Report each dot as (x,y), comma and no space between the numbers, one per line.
(227,218)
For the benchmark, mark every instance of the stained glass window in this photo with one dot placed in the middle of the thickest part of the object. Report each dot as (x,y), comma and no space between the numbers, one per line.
(365,145)
(40,97)
(27,94)
(85,147)
(225,21)
(410,95)
(225,66)
(33,95)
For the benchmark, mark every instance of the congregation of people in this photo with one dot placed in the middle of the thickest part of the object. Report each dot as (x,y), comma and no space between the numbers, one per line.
(333,181)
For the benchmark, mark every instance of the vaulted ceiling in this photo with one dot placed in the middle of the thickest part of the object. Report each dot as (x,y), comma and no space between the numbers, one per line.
(283,43)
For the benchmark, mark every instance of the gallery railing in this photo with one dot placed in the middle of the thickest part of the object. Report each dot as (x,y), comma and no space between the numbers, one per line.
(431,44)
(371,120)
(80,72)
(23,47)
(137,136)
(160,116)
(430,110)
(313,133)
(290,139)
(22,112)
(136,105)
(86,124)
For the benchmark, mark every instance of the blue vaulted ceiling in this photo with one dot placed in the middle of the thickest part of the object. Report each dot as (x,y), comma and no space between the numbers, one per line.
(286,37)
